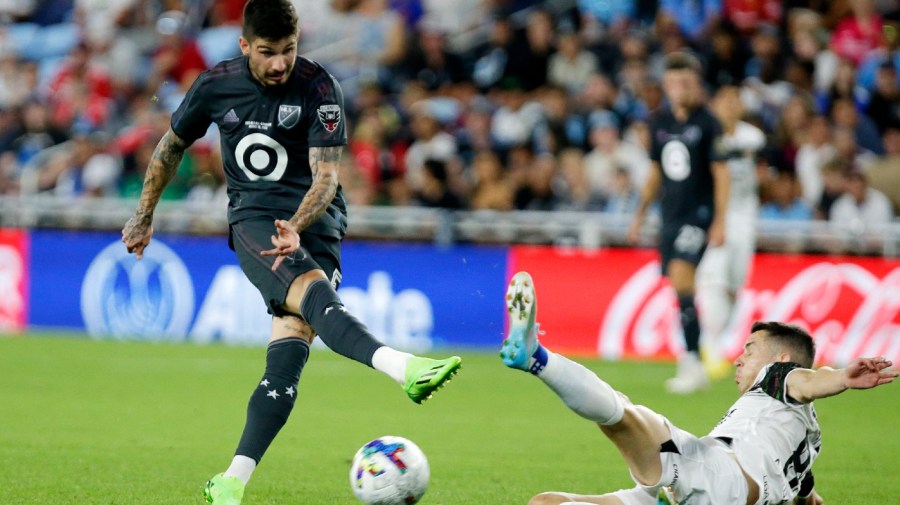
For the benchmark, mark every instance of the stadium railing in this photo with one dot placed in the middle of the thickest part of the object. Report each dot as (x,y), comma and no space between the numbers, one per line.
(589,230)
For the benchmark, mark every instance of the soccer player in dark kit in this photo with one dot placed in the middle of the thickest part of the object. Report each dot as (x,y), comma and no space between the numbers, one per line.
(689,169)
(282,135)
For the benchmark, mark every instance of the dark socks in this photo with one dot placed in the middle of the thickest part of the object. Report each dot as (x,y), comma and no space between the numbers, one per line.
(340,331)
(273,399)
(690,323)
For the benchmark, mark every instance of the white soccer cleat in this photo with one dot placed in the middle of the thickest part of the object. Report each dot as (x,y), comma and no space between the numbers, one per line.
(521,343)
(690,377)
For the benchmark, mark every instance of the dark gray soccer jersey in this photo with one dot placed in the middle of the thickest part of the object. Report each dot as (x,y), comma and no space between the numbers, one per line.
(685,152)
(266,133)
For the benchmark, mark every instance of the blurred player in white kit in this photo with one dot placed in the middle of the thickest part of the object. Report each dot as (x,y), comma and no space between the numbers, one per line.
(725,268)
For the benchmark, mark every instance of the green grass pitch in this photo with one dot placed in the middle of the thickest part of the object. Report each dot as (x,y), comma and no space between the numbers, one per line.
(87,422)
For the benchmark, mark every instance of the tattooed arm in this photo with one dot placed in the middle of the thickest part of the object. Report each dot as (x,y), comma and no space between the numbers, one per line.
(163,165)
(324,163)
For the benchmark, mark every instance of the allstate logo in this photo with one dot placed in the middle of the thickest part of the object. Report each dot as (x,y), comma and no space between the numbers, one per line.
(125,298)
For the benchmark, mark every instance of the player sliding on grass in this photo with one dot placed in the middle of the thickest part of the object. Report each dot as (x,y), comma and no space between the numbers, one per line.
(282,129)
(761,451)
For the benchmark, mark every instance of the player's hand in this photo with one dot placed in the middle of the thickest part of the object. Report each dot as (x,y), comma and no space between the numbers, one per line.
(865,373)
(716,235)
(136,235)
(813,499)
(286,242)
(634,231)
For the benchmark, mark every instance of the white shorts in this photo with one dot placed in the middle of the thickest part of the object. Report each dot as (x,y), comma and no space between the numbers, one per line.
(699,470)
(727,265)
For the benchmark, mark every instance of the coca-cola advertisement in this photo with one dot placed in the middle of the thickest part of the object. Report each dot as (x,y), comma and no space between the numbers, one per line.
(614,304)
(13,280)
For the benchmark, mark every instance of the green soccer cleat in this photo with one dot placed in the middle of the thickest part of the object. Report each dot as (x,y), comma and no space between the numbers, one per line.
(222,490)
(521,344)
(424,376)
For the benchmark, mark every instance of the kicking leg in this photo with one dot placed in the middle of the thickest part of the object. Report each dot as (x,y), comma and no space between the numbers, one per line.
(312,296)
(633,496)
(636,431)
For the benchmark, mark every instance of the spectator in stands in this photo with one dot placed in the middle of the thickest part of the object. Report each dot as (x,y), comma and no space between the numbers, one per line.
(515,121)
(177,61)
(435,190)
(884,103)
(766,48)
(560,127)
(845,115)
(785,203)
(725,57)
(832,186)
(791,129)
(80,94)
(608,154)
(530,65)
(623,195)
(809,48)
(575,190)
(693,17)
(858,33)
(380,41)
(430,142)
(884,174)
(36,134)
(747,15)
(848,150)
(844,86)
(431,62)
(861,206)
(571,66)
(815,150)
(474,134)
(537,191)
(491,191)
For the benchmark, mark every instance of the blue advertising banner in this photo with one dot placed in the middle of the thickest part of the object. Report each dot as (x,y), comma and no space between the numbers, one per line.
(188,288)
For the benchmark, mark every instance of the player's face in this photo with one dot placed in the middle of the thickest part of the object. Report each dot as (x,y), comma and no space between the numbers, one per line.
(756,355)
(271,61)
(681,87)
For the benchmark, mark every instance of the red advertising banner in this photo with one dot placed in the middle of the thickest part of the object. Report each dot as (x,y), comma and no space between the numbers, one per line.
(13,280)
(613,303)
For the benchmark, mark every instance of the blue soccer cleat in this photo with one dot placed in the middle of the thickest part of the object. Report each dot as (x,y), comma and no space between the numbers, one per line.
(521,347)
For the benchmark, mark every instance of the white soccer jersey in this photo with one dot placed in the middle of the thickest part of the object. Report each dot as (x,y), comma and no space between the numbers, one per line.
(775,438)
(741,148)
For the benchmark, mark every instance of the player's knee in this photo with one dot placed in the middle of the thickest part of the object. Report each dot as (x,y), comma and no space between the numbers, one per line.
(549,498)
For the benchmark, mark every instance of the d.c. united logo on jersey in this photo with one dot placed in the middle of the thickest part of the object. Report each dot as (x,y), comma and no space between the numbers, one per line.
(288,115)
(330,116)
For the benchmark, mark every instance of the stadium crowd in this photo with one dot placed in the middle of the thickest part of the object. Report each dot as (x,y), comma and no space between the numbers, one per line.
(470,104)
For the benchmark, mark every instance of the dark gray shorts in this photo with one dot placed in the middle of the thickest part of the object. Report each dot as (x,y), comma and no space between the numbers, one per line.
(317,252)
(684,241)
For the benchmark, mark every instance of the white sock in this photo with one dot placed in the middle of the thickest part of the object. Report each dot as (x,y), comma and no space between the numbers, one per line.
(241,467)
(391,362)
(581,390)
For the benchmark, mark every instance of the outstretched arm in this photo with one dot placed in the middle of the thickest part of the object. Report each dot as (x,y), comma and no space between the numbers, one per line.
(863,373)
(163,165)
(324,162)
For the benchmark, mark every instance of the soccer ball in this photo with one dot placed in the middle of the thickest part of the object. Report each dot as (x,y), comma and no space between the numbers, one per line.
(389,471)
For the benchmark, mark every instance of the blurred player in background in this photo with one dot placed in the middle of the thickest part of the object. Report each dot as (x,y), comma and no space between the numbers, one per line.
(724,269)
(692,182)
(282,125)
(761,451)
